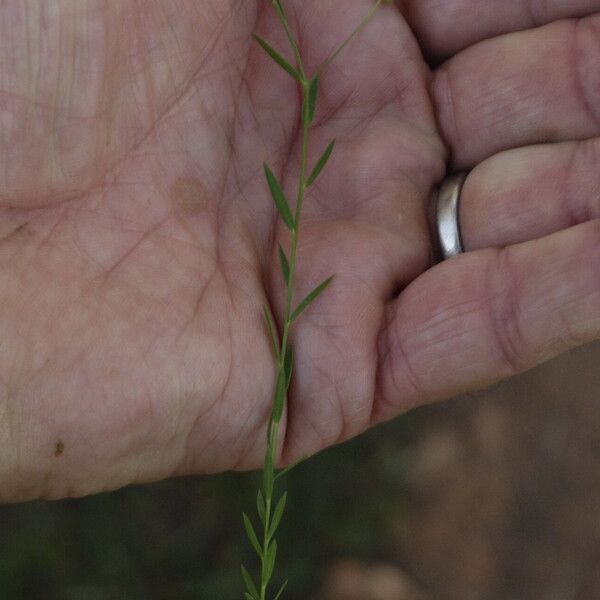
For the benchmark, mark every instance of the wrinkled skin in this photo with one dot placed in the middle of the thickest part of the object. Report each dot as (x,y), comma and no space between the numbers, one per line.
(138,239)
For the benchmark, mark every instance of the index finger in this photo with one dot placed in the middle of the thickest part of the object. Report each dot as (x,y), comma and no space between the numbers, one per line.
(483,316)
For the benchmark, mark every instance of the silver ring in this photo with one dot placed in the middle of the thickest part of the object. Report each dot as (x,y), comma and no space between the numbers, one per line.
(446,217)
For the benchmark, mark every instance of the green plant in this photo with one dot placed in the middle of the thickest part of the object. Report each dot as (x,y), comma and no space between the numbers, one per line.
(269,511)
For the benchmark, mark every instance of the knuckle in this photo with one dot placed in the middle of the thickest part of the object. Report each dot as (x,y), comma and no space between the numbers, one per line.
(504,314)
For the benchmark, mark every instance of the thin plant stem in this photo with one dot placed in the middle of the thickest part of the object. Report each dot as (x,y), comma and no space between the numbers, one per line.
(296,232)
(273,435)
(351,37)
(269,511)
(290,36)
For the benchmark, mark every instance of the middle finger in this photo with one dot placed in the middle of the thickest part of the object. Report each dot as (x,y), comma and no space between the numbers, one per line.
(531,87)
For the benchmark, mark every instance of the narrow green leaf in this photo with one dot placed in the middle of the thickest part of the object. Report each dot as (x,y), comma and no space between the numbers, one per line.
(284,64)
(261,506)
(277,514)
(288,366)
(285,265)
(252,535)
(270,561)
(272,329)
(321,164)
(310,100)
(280,592)
(279,198)
(250,596)
(287,469)
(250,585)
(279,401)
(311,298)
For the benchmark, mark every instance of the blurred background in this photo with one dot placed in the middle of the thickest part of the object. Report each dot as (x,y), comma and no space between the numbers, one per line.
(494,496)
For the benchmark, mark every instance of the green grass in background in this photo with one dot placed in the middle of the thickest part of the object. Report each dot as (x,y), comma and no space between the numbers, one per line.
(182,539)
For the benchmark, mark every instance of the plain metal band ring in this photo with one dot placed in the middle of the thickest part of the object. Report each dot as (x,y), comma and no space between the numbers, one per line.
(447,222)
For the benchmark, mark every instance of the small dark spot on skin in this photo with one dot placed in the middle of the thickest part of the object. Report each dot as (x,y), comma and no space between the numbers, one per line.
(59,448)
(189,195)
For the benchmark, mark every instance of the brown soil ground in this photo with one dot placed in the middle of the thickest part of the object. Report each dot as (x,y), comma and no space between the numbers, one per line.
(503,496)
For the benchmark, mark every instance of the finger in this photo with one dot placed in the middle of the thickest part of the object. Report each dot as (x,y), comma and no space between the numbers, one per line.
(524,88)
(524,194)
(484,316)
(446,26)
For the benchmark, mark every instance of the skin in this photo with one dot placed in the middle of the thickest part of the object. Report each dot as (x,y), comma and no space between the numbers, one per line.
(138,240)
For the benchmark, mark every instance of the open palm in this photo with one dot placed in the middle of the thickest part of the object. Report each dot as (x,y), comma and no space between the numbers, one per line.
(138,239)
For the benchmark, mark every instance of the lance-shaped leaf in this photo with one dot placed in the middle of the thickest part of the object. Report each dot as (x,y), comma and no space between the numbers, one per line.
(279,401)
(261,506)
(280,592)
(311,298)
(270,561)
(271,328)
(252,535)
(310,101)
(284,64)
(279,198)
(277,514)
(289,468)
(250,585)
(285,265)
(249,596)
(321,164)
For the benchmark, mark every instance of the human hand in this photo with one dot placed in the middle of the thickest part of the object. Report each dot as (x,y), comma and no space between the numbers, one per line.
(138,238)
